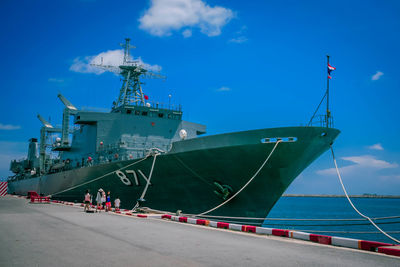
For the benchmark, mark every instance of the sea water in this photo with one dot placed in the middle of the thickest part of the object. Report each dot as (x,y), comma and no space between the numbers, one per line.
(337,208)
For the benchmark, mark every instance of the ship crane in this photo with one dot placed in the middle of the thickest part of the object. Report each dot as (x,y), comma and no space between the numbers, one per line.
(46,128)
(131,92)
(69,110)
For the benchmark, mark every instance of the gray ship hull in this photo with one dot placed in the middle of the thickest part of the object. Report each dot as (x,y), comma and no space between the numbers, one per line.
(184,178)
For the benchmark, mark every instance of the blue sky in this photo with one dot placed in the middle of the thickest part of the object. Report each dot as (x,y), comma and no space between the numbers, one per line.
(233,65)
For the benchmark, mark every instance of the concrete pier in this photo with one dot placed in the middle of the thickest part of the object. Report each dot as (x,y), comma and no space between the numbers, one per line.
(55,235)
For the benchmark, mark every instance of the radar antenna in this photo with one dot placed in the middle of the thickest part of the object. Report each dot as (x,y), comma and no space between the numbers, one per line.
(131,92)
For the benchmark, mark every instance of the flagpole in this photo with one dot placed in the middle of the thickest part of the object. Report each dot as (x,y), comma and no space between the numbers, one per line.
(328,113)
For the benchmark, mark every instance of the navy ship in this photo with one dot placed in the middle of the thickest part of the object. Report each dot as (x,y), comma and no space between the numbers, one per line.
(145,154)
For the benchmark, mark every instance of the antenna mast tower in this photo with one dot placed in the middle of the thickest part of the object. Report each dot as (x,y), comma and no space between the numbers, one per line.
(131,92)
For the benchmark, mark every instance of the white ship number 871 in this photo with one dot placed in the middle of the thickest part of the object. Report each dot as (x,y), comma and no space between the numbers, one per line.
(132,176)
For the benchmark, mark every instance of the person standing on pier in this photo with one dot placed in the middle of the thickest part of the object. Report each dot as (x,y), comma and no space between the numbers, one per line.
(98,199)
(108,203)
(117,203)
(87,201)
(103,199)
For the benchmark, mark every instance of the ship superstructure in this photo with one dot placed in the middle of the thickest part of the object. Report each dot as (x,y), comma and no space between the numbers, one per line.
(133,127)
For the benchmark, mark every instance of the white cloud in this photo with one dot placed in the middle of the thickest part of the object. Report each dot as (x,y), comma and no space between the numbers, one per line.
(156,68)
(9,127)
(223,89)
(365,162)
(55,80)
(110,58)
(390,177)
(242,30)
(377,146)
(377,76)
(238,40)
(187,33)
(165,16)
(82,65)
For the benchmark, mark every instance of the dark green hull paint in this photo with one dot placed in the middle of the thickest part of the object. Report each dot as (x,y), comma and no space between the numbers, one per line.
(183,178)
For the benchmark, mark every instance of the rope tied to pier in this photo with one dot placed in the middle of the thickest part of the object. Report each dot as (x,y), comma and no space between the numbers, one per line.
(155,154)
(293,219)
(246,184)
(351,203)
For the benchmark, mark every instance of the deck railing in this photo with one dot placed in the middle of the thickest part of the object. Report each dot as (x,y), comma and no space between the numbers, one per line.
(321,121)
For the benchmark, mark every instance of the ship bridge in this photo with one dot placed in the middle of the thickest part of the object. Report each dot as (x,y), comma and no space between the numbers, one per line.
(129,132)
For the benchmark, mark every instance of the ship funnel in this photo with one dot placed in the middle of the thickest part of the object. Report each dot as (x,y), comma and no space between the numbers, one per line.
(33,153)
(45,123)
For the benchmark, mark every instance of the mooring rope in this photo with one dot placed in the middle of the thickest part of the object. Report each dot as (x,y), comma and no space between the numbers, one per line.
(329,225)
(148,182)
(351,203)
(292,219)
(348,232)
(350,219)
(243,187)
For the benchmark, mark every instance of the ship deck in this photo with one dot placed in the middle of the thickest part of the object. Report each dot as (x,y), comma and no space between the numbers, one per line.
(50,234)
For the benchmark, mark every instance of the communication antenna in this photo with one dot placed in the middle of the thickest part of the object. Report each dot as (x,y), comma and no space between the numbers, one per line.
(127,50)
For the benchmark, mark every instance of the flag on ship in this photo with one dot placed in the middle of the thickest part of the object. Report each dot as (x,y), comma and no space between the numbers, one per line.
(330,69)
(3,188)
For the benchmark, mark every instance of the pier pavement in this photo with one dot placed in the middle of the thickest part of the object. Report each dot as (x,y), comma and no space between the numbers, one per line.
(55,235)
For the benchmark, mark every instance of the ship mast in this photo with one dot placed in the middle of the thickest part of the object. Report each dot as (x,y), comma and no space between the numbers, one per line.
(131,92)
(328,112)
(326,120)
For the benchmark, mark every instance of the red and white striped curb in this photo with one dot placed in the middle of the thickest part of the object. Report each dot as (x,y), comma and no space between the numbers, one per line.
(380,247)
(40,200)
(3,188)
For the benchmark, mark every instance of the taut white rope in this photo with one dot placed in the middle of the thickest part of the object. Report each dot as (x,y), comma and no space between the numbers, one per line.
(148,181)
(248,182)
(351,203)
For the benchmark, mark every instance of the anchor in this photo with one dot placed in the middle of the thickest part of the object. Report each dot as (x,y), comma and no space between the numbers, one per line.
(223,190)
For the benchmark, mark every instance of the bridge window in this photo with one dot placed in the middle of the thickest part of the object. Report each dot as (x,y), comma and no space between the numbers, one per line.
(160,115)
(144,113)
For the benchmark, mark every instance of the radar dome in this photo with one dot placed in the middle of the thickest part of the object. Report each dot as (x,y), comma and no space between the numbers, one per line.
(183,134)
